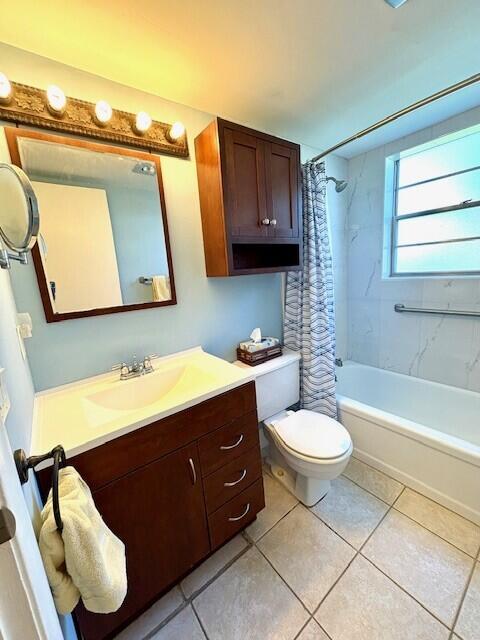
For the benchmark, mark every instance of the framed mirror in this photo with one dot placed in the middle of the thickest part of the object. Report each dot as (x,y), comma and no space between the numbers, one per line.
(19,222)
(103,245)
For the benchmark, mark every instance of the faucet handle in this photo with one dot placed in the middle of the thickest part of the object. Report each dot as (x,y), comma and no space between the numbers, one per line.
(119,366)
(123,368)
(147,362)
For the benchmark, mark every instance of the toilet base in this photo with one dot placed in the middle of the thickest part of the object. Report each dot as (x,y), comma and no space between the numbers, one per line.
(308,490)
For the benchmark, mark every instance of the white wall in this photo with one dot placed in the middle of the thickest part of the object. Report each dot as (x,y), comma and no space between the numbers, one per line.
(439,348)
(19,430)
(17,371)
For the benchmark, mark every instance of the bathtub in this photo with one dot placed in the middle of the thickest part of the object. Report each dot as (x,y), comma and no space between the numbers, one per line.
(424,434)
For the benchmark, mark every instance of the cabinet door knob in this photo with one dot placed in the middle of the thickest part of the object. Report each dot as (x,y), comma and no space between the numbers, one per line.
(273,222)
(235,482)
(247,509)
(193,470)
(266,222)
(226,447)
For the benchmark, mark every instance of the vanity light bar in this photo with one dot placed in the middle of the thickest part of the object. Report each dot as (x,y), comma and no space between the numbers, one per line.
(52,109)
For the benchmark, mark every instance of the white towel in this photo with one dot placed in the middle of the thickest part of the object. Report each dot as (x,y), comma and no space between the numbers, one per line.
(161,288)
(86,560)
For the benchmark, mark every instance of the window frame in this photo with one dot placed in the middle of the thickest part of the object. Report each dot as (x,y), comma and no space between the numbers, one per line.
(391,207)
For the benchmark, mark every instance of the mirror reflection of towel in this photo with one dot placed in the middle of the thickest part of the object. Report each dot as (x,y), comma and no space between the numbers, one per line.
(161,288)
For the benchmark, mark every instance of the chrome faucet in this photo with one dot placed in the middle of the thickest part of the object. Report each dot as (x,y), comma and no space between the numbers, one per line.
(135,369)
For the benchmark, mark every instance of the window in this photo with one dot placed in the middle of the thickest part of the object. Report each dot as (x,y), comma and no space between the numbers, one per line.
(435,195)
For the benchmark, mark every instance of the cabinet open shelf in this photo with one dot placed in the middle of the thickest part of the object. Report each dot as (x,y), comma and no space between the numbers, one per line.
(259,258)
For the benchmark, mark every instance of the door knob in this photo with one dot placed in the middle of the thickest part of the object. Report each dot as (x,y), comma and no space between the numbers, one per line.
(273,222)
(265,222)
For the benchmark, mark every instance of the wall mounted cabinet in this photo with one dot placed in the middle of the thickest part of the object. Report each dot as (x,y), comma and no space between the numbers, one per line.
(173,492)
(249,184)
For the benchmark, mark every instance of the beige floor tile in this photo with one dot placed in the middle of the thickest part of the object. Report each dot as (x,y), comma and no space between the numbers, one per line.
(366,605)
(278,502)
(430,569)
(184,626)
(352,512)
(249,601)
(312,632)
(213,565)
(385,488)
(468,624)
(307,554)
(448,525)
(153,617)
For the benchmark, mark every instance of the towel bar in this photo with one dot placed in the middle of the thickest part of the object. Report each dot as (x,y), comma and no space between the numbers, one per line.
(24,464)
(401,308)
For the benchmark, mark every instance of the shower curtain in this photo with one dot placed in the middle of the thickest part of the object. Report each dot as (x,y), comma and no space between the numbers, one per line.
(309,320)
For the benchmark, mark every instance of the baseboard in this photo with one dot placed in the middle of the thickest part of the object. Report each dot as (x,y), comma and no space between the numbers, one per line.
(421,487)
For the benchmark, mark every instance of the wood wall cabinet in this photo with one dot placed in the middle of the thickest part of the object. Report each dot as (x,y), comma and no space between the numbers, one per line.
(173,492)
(250,199)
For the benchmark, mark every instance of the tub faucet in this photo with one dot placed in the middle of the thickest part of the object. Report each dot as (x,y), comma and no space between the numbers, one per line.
(338,362)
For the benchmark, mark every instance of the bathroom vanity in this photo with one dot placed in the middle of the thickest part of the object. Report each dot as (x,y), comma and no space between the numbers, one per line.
(173,487)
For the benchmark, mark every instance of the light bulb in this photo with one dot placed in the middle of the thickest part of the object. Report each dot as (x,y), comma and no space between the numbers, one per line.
(56,99)
(143,122)
(176,131)
(103,111)
(5,88)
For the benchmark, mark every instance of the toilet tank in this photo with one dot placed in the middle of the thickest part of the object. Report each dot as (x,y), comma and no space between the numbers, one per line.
(277,384)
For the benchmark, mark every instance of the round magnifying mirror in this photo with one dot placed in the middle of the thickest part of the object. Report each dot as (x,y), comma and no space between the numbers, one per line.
(19,220)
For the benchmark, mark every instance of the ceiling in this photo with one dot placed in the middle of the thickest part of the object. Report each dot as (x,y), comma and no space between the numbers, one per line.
(315,71)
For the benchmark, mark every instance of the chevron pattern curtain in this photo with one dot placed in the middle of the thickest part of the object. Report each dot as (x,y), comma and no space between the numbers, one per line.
(309,320)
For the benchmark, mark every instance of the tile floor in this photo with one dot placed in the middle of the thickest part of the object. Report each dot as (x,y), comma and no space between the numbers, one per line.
(373,560)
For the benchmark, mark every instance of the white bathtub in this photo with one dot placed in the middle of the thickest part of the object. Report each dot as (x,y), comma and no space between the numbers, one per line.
(425,434)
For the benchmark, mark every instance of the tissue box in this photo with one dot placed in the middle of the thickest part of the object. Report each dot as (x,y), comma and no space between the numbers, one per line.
(251,346)
(253,353)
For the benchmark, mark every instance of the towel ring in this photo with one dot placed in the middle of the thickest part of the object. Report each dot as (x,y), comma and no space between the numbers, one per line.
(24,464)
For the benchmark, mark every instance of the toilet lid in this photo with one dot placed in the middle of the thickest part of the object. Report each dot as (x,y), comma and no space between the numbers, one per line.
(313,435)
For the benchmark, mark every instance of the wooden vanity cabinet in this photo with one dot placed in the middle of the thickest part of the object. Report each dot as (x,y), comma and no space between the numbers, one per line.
(173,492)
(250,188)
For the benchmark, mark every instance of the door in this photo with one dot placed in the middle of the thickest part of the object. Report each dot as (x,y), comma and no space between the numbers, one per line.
(245,188)
(282,189)
(26,604)
(158,511)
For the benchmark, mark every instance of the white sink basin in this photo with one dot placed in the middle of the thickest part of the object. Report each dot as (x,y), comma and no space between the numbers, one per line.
(90,412)
(140,392)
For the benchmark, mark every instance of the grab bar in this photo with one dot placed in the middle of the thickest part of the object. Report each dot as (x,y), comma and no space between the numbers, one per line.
(401,308)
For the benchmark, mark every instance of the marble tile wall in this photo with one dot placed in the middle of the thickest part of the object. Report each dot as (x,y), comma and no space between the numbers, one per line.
(439,348)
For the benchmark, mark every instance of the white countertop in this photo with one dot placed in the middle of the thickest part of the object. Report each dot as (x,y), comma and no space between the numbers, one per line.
(67,415)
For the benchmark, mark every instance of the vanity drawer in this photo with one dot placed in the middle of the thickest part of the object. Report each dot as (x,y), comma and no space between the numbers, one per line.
(231,479)
(236,514)
(228,442)
(220,410)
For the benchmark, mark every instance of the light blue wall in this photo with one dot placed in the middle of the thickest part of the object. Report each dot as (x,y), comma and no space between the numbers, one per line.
(139,239)
(213,312)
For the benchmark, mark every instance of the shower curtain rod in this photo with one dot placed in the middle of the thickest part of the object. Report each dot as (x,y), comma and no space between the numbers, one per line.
(398,114)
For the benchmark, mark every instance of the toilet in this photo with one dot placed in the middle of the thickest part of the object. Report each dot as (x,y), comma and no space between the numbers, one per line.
(306,449)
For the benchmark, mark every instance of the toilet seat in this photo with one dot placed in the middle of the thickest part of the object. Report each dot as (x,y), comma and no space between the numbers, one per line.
(312,435)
